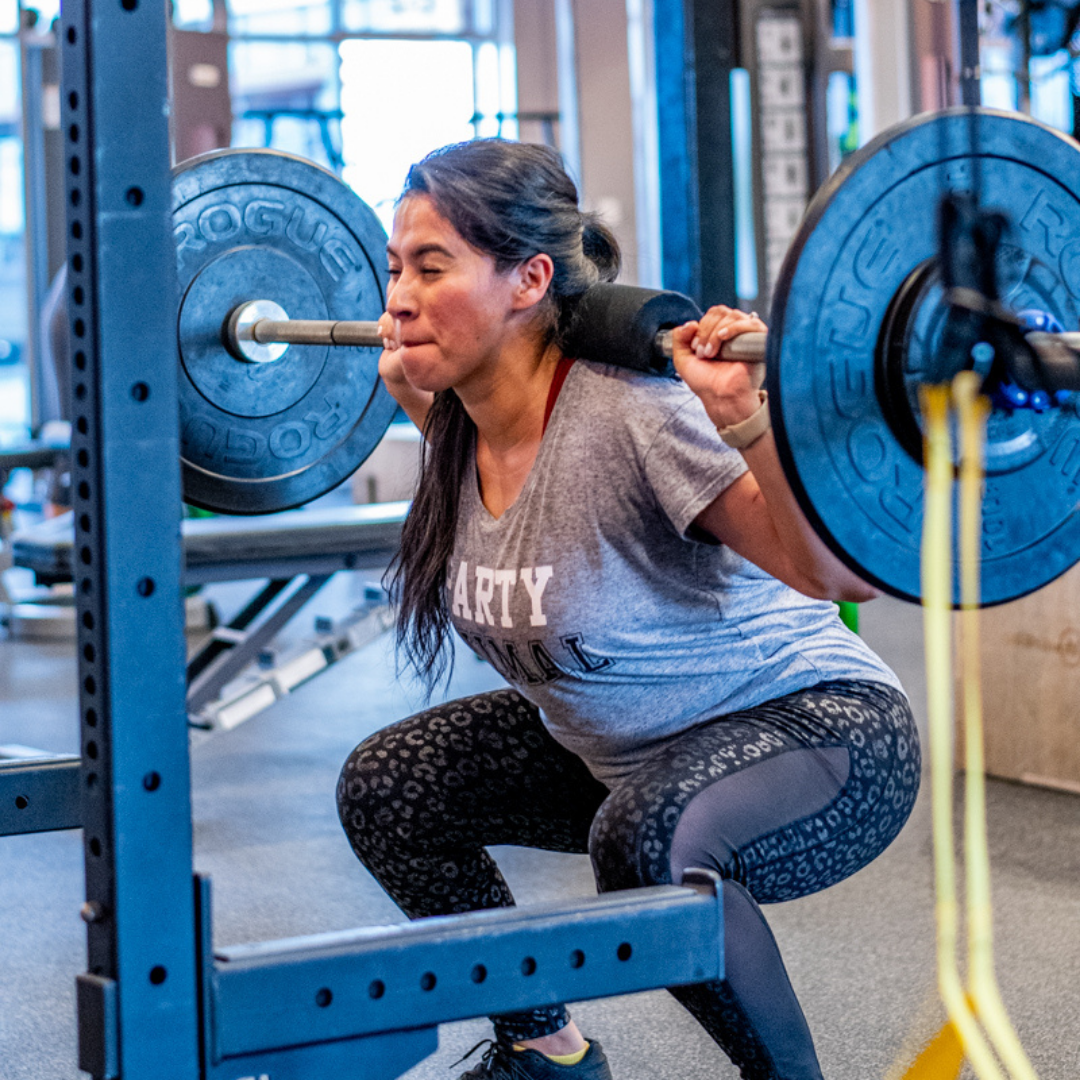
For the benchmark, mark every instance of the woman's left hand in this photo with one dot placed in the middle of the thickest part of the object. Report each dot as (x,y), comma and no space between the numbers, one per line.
(728,389)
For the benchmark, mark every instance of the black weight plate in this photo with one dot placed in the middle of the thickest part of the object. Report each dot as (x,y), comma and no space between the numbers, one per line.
(262,225)
(867,232)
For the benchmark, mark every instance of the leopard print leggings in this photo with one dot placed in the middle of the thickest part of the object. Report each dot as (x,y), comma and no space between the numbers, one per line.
(782,800)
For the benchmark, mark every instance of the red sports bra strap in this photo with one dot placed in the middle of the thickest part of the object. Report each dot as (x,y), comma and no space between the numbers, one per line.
(561,371)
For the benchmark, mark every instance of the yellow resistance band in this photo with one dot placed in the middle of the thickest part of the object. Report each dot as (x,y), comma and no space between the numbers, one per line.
(937,601)
(972,411)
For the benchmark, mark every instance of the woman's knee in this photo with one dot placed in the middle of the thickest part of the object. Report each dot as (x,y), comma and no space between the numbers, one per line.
(414,780)
(387,786)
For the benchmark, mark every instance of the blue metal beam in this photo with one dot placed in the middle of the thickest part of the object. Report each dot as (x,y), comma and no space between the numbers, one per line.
(40,795)
(694,53)
(135,778)
(276,995)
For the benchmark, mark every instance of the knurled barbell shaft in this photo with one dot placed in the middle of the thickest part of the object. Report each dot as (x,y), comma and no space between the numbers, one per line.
(747,348)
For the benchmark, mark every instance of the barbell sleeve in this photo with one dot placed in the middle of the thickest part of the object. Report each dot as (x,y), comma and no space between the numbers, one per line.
(316,332)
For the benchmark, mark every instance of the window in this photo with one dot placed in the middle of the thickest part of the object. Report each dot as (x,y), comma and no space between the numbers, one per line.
(403,16)
(367,87)
(419,114)
(14,401)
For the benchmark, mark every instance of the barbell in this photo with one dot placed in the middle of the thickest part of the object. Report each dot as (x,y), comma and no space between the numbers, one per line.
(261,331)
(277,410)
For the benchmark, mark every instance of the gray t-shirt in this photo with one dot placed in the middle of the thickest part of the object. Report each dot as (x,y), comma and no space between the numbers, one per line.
(590,598)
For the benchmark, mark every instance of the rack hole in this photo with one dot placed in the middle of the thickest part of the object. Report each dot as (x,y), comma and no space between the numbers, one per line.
(145,587)
(84,522)
(81,425)
(73,99)
(478,973)
(80,391)
(79,294)
(91,750)
(577,959)
(86,586)
(73,133)
(76,197)
(88,620)
(95,846)
(151,781)
(323,997)
(158,975)
(79,327)
(427,980)
(134,196)
(528,966)
(129,5)
(77,263)
(21,802)
(86,555)
(72,36)
(91,717)
(624,951)
(88,653)
(83,458)
(89,685)
(84,490)
(75,164)
(140,391)
(376,989)
(76,226)
(80,363)
(91,780)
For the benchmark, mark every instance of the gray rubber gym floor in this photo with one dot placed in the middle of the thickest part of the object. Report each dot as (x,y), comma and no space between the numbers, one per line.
(860,954)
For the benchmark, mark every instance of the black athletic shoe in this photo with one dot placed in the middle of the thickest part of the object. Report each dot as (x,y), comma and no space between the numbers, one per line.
(501,1062)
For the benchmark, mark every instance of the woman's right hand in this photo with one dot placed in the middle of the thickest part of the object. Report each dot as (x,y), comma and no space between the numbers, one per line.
(415,402)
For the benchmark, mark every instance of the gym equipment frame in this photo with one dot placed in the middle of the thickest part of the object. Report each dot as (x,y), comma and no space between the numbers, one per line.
(155,997)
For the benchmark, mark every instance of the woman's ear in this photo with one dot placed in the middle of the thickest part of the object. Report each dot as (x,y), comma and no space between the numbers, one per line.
(533,280)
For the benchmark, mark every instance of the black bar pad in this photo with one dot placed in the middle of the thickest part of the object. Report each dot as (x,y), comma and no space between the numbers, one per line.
(618,324)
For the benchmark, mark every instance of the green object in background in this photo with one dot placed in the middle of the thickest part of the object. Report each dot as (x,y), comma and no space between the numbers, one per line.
(849,614)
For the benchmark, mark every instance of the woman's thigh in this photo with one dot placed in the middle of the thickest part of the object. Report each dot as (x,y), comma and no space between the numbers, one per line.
(471,772)
(785,798)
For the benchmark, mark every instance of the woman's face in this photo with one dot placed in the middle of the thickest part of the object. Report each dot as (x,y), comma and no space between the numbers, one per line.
(453,307)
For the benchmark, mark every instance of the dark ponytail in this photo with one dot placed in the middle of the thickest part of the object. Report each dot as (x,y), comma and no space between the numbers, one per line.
(510,201)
